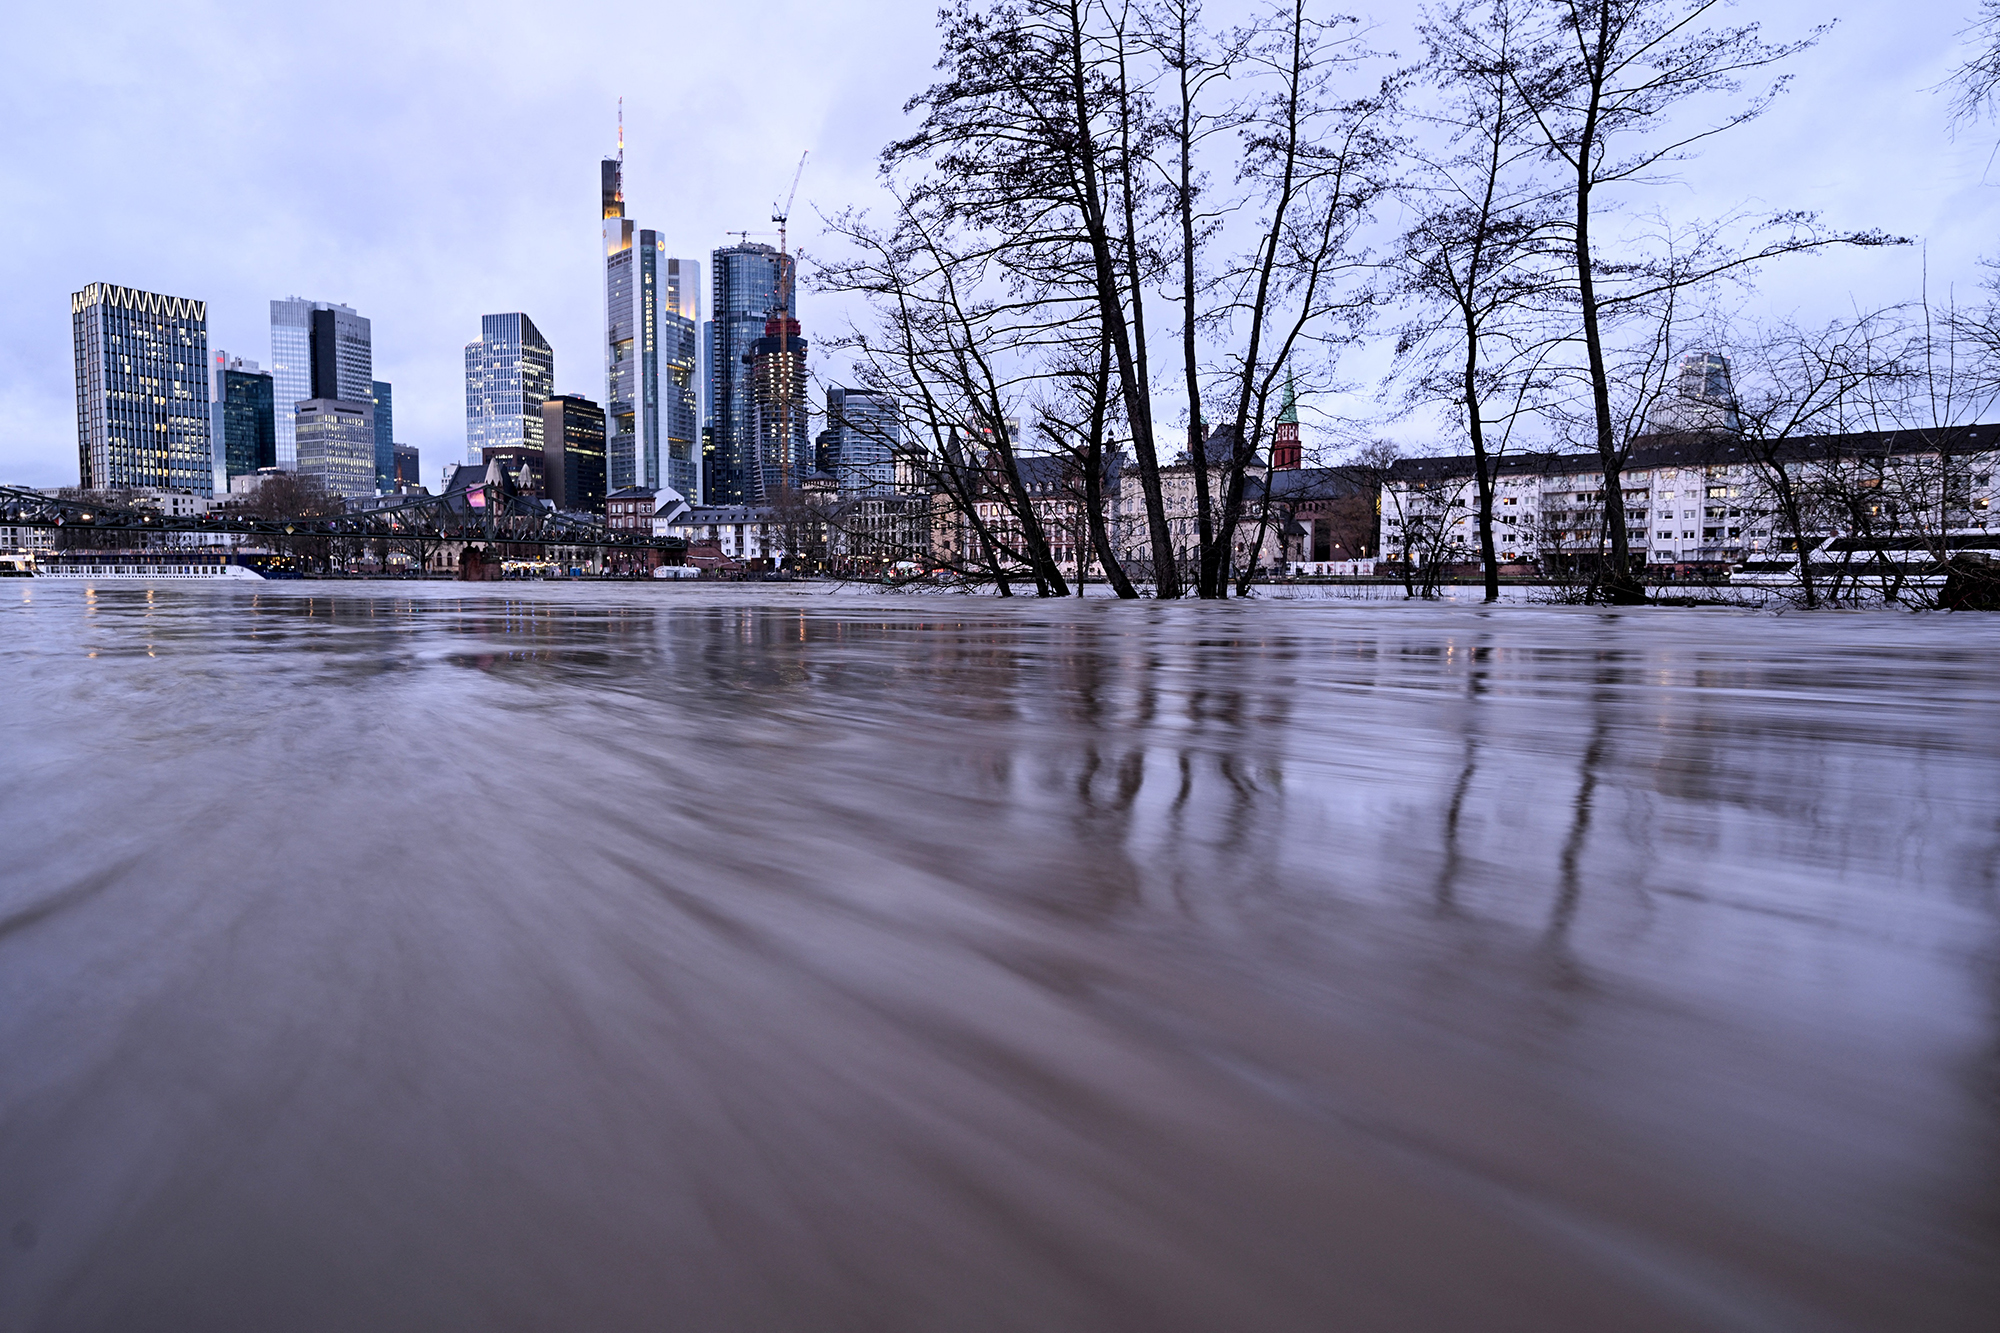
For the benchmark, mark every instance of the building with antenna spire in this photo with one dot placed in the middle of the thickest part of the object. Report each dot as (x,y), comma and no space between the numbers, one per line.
(652,322)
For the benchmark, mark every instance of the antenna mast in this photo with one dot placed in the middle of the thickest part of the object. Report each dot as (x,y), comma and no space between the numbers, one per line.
(621,131)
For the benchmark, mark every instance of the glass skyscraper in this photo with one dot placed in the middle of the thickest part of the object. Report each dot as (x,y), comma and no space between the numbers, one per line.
(573,453)
(319,349)
(866,428)
(242,418)
(745,292)
(385,436)
(652,322)
(509,373)
(142,416)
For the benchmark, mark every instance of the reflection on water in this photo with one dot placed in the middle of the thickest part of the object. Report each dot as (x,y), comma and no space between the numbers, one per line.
(602,958)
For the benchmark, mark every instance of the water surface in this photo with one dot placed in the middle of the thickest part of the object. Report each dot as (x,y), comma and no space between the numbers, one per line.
(600,957)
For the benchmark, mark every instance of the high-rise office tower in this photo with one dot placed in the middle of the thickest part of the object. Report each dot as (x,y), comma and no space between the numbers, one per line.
(336,444)
(866,429)
(780,441)
(509,373)
(406,465)
(744,291)
(652,323)
(573,453)
(243,426)
(385,435)
(319,349)
(142,414)
(680,347)
(1702,399)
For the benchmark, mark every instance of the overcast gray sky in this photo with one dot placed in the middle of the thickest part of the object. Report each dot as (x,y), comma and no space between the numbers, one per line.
(427,164)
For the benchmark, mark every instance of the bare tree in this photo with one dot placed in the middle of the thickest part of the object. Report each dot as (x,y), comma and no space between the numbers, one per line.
(1476,256)
(1975,85)
(1606,82)
(1314,163)
(1796,394)
(955,348)
(1038,138)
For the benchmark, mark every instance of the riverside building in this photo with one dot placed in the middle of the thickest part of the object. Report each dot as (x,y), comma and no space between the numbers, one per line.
(319,349)
(509,373)
(1702,500)
(142,415)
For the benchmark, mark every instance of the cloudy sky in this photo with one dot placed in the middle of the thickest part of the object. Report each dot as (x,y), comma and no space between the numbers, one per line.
(427,164)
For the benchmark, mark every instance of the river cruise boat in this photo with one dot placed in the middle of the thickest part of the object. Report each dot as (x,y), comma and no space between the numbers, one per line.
(1871,563)
(145,566)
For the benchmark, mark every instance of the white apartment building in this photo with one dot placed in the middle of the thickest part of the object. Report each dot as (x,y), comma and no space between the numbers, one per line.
(1695,500)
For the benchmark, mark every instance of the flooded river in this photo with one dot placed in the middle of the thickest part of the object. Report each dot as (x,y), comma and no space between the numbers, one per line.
(605,958)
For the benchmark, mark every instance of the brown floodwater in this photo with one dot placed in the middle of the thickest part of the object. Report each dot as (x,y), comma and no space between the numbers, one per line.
(600,957)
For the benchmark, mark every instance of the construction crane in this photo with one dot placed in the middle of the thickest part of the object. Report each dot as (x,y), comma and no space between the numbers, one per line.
(780,214)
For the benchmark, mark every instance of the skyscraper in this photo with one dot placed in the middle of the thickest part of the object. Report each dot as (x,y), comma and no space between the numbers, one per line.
(866,429)
(319,349)
(1702,399)
(745,291)
(336,444)
(509,374)
(243,426)
(783,448)
(652,323)
(385,435)
(573,453)
(680,332)
(142,414)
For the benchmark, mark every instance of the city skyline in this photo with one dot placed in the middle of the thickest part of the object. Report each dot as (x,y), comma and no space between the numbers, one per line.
(437,237)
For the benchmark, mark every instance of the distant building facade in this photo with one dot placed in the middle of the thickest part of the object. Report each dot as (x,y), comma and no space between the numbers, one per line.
(866,432)
(1694,499)
(1287,451)
(509,373)
(407,460)
(1702,397)
(630,509)
(142,393)
(522,471)
(242,419)
(744,290)
(336,444)
(319,349)
(383,397)
(573,445)
(781,443)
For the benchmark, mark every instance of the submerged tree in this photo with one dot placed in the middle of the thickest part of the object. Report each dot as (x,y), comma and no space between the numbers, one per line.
(1607,83)
(1477,258)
